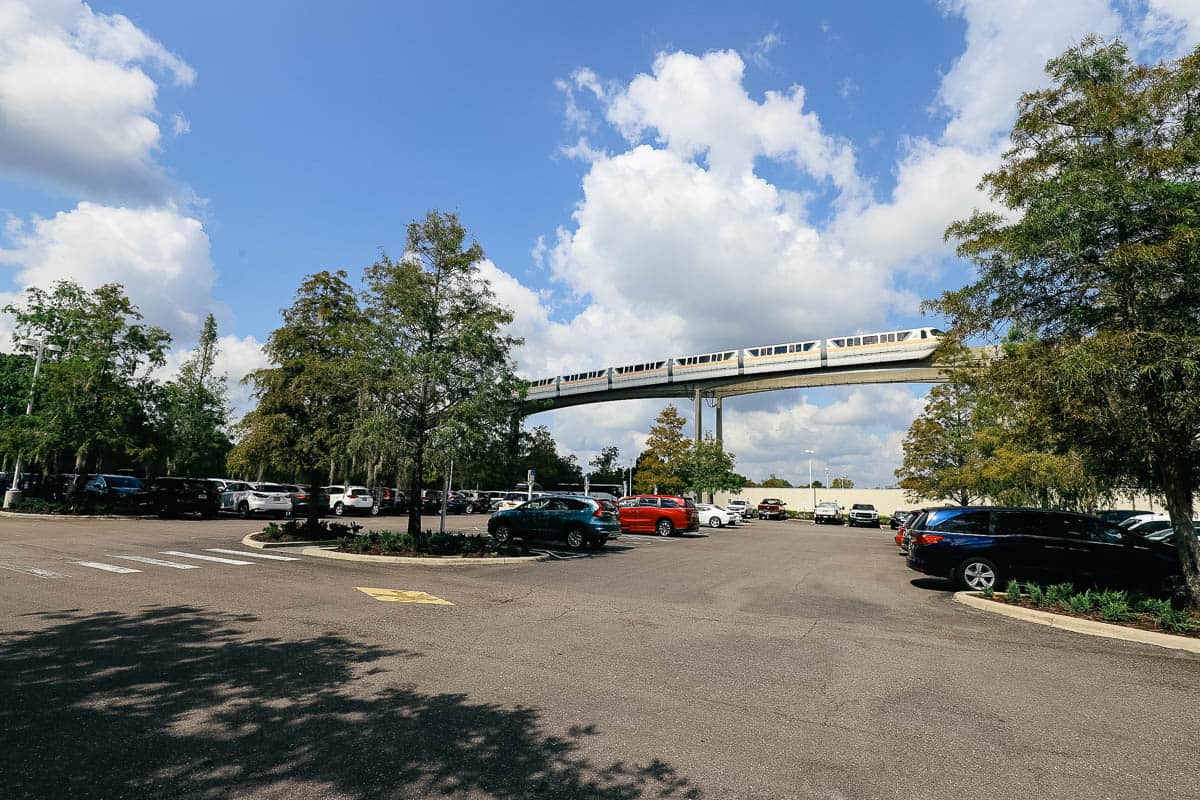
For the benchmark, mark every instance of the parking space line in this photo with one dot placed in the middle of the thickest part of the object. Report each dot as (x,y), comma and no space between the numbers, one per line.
(158,562)
(106,567)
(37,571)
(217,559)
(270,556)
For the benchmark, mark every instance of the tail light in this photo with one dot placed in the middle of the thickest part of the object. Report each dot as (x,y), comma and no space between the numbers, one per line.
(259,494)
(926,538)
(599,512)
(301,497)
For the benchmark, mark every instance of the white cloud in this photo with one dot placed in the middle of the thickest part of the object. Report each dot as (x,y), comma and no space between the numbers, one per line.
(180,125)
(761,49)
(160,256)
(236,358)
(1173,25)
(76,107)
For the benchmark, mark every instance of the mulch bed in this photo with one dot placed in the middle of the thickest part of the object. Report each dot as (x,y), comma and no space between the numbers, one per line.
(1145,622)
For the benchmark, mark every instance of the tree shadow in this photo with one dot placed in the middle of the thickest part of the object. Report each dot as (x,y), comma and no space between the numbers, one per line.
(184,702)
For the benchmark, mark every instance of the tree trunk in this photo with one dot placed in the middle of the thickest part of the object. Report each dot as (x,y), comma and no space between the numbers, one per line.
(1177,486)
(314,495)
(414,488)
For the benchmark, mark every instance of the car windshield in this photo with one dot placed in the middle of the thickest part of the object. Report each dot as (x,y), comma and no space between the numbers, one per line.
(272,487)
(122,481)
(771,501)
(826,505)
(863,507)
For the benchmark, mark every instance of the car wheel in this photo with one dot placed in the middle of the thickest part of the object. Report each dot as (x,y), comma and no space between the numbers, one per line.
(978,574)
(375,510)
(470,509)
(664,528)
(339,509)
(244,510)
(714,522)
(575,539)
(502,534)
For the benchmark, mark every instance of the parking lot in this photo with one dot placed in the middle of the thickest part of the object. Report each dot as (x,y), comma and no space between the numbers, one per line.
(777,660)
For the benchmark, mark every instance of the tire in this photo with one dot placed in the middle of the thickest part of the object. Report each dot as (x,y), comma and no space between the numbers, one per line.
(281,515)
(664,527)
(715,522)
(575,539)
(339,510)
(374,512)
(976,574)
(470,509)
(243,510)
(502,534)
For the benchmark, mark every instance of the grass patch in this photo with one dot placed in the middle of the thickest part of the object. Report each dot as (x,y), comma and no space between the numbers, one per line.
(1145,612)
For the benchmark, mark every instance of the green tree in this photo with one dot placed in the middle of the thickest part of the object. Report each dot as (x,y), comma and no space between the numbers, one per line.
(442,376)
(1096,259)
(709,469)
(942,455)
(605,466)
(775,482)
(539,452)
(841,483)
(308,399)
(661,465)
(817,485)
(97,398)
(195,411)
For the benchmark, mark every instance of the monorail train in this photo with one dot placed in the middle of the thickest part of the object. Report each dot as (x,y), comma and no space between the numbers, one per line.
(863,348)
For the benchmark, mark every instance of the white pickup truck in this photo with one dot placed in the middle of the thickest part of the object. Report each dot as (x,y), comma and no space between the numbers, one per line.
(828,513)
(863,514)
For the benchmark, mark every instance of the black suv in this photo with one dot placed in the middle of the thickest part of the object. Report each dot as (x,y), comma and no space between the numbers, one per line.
(173,497)
(980,548)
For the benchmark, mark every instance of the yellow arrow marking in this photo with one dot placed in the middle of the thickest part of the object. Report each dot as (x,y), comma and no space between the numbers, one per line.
(401,596)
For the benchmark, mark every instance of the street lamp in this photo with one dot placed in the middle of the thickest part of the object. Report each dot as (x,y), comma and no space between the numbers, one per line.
(41,347)
(811,453)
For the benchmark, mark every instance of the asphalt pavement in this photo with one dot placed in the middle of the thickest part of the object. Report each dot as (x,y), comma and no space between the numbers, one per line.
(149,659)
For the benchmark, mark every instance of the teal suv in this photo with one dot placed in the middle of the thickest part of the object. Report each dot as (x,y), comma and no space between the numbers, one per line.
(578,521)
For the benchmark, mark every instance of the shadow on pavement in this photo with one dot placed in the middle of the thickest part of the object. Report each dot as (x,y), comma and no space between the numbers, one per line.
(933,584)
(184,702)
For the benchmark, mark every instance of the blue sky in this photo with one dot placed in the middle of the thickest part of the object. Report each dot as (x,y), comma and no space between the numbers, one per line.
(646,180)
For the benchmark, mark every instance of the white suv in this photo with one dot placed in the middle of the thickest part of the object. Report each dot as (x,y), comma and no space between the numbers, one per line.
(248,499)
(864,514)
(350,499)
(741,507)
(828,513)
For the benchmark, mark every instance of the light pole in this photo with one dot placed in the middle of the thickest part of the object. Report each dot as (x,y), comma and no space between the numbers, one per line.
(811,453)
(41,347)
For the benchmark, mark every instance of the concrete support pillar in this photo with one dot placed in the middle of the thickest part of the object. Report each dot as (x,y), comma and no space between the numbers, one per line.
(717,427)
(699,423)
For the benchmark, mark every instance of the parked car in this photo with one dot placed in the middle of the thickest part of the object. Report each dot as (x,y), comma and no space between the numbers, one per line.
(431,502)
(983,547)
(248,499)
(742,507)
(772,508)
(173,497)
(827,513)
(351,499)
(113,487)
(302,500)
(1168,534)
(899,518)
(665,515)
(863,514)
(578,521)
(512,500)
(475,501)
(717,517)
(1117,516)
(389,500)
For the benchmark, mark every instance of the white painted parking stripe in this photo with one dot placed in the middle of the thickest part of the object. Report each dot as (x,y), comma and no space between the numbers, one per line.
(106,567)
(158,562)
(251,555)
(206,558)
(38,571)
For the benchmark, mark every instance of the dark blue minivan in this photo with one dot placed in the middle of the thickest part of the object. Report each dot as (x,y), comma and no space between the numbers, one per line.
(984,547)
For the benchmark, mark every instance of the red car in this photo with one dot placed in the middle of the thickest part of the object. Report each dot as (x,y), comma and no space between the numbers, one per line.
(663,514)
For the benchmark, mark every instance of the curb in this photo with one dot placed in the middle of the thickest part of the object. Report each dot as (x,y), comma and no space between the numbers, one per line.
(307,549)
(1077,625)
(24,515)
(255,543)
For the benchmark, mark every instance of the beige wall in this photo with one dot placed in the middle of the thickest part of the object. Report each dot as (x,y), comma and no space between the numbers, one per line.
(885,500)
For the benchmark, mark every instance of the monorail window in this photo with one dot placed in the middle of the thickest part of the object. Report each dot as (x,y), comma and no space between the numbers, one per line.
(891,337)
(839,342)
(870,340)
(781,349)
(924,334)
(703,359)
(900,337)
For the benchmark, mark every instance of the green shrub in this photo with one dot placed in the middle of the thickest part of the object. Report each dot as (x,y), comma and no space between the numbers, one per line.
(1057,593)
(1116,610)
(1151,605)
(987,592)
(1082,603)
(1177,620)
(272,533)
(1013,591)
(1037,595)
